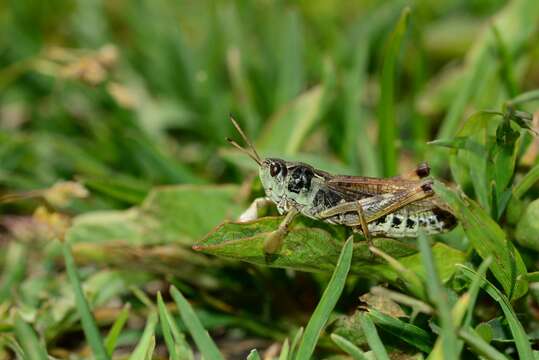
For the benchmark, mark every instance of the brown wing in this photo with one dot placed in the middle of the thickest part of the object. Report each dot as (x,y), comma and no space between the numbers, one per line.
(370,186)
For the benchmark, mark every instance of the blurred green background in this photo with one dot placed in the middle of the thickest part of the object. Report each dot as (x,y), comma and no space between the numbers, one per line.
(122,97)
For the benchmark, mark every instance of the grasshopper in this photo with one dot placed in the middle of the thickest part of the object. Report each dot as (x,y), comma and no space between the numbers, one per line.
(395,207)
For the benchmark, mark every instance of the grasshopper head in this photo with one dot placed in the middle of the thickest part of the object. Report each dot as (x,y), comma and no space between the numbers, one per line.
(293,179)
(273,175)
(279,177)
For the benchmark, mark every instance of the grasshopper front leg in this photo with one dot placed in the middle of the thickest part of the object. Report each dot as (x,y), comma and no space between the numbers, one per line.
(252,211)
(274,240)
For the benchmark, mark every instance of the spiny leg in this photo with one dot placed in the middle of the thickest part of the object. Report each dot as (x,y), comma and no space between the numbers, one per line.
(363,221)
(252,211)
(274,240)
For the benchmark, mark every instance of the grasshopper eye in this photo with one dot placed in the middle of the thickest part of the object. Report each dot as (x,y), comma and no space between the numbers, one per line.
(275,168)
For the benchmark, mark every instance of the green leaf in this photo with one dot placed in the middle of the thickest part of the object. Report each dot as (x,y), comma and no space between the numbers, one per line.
(327,302)
(373,339)
(89,326)
(388,127)
(488,239)
(169,215)
(286,129)
(348,347)
(438,295)
(519,334)
(527,227)
(33,349)
(146,344)
(201,337)
(407,332)
(116,329)
(314,246)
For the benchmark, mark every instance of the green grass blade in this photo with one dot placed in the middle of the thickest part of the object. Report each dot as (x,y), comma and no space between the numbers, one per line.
(174,339)
(285,350)
(507,64)
(410,278)
(533,276)
(355,147)
(146,344)
(387,135)
(373,339)
(201,337)
(89,326)
(348,347)
(452,118)
(480,346)
(116,329)
(327,302)
(14,269)
(28,340)
(253,355)
(526,182)
(473,291)
(519,334)
(295,343)
(405,331)
(439,296)
(165,326)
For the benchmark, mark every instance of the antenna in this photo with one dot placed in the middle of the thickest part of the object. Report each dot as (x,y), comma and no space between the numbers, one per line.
(254,155)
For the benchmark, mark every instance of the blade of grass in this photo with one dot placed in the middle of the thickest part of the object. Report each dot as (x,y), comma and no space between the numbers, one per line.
(295,343)
(526,182)
(439,296)
(89,326)
(533,276)
(14,269)
(521,338)
(327,302)
(387,134)
(285,350)
(253,355)
(412,281)
(201,337)
(116,329)
(373,339)
(405,331)
(473,291)
(165,327)
(480,346)
(177,341)
(354,119)
(146,344)
(28,340)
(507,64)
(348,347)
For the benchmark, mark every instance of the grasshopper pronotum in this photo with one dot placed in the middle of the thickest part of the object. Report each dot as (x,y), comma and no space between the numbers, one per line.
(396,207)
